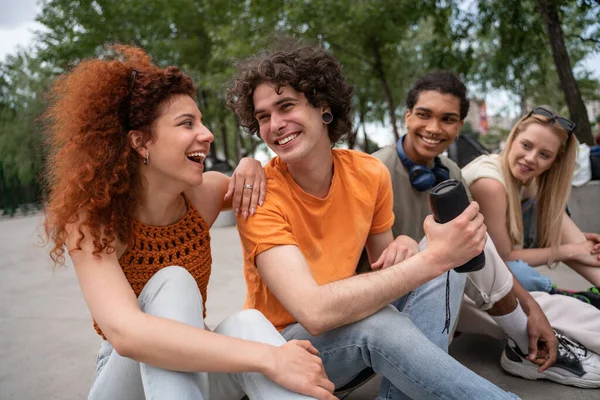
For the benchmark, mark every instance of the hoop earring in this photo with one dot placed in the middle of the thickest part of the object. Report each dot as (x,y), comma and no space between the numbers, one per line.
(146,159)
(327,117)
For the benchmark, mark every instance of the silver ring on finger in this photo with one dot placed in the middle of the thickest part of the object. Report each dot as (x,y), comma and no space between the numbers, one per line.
(246,186)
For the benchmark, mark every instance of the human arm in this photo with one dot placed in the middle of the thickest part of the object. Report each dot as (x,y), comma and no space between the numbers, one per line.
(320,308)
(594,238)
(248,172)
(177,346)
(219,192)
(388,251)
(491,196)
(543,344)
(383,249)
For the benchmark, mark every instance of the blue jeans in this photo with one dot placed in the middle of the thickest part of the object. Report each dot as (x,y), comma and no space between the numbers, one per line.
(528,277)
(398,343)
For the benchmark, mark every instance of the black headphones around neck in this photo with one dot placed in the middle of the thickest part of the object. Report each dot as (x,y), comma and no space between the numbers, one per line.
(421,177)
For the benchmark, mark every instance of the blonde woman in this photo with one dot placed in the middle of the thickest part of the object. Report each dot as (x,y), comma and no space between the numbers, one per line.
(523,194)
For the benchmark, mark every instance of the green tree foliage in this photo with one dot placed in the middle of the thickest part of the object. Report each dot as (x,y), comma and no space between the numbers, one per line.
(514,53)
(383,44)
(23,81)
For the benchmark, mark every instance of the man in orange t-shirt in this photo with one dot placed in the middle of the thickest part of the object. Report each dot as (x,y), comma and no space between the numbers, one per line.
(322,208)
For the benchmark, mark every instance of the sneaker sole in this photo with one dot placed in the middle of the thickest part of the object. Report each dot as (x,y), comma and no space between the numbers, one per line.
(518,369)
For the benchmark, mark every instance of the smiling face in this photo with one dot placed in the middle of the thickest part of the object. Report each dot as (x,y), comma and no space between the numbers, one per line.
(288,123)
(533,152)
(180,143)
(433,124)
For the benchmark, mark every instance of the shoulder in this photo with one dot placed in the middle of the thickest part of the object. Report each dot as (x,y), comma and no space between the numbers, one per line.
(387,155)
(213,178)
(277,185)
(208,198)
(485,166)
(454,169)
(487,188)
(212,185)
(361,172)
(85,238)
(486,160)
(280,194)
(275,168)
(358,163)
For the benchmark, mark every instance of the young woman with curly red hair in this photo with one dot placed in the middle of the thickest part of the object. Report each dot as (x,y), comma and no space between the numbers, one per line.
(129,202)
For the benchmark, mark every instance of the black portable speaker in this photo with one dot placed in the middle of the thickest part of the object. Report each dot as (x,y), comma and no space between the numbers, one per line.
(448,200)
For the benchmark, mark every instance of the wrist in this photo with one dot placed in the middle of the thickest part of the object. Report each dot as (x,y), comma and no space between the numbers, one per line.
(564,253)
(265,359)
(527,304)
(434,262)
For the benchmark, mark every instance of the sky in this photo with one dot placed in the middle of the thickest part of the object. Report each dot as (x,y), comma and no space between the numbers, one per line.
(17,27)
(17,24)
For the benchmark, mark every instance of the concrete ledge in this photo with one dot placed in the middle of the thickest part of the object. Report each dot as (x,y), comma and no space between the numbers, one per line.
(584,206)
(226,218)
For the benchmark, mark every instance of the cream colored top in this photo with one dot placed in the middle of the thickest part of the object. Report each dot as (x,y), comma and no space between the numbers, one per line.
(490,166)
(485,166)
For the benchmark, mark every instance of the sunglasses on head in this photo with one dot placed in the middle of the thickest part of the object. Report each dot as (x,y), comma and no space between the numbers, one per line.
(564,123)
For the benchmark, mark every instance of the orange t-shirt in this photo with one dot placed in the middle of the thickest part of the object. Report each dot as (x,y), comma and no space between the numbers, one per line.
(331,232)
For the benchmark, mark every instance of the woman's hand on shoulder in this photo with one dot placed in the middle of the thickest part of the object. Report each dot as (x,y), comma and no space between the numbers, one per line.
(244,190)
(247,187)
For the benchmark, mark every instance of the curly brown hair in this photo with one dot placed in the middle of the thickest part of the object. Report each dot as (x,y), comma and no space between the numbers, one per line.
(92,176)
(309,70)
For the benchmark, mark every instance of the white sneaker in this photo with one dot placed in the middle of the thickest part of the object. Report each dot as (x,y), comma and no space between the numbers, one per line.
(575,364)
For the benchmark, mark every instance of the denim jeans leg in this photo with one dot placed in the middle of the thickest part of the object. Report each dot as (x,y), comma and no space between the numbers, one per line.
(529,278)
(171,293)
(250,325)
(394,347)
(426,307)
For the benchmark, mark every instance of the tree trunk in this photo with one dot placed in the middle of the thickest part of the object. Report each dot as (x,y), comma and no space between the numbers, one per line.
(223,128)
(523,101)
(361,117)
(352,138)
(237,144)
(577,111)
(386,88)
(212,153)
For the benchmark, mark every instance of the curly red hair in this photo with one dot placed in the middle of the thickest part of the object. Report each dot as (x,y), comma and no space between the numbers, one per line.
(92,172)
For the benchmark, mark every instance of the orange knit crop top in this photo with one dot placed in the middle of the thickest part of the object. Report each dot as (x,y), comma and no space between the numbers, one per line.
(185,243)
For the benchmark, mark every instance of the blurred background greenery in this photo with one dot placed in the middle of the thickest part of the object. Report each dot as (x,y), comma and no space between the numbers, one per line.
(532,49)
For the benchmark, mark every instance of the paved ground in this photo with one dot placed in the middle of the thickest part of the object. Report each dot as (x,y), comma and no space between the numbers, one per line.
(48,346)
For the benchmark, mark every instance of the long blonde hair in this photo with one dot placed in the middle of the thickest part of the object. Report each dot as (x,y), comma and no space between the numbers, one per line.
(553,186)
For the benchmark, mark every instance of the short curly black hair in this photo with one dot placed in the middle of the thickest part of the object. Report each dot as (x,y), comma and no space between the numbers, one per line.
(440,81)
(309,70)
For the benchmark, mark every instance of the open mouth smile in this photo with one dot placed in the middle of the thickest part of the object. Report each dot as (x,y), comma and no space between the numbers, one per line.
(430,140)
(286,139)
(196,156)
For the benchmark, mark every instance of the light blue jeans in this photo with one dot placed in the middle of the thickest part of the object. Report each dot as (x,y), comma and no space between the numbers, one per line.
(529,277)
(173,293)
(406,344)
